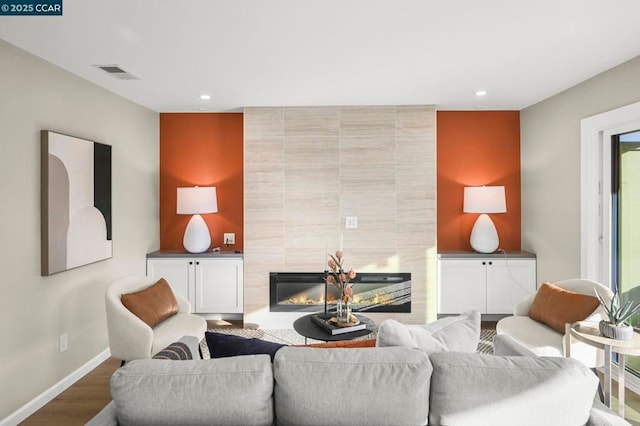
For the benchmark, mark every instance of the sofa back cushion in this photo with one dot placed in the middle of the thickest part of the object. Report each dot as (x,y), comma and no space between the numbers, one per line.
(360,386)
(494,390)
(555,306)
(153,304)
(225,391)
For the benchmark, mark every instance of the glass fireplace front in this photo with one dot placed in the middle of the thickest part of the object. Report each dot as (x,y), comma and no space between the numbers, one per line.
(372,292)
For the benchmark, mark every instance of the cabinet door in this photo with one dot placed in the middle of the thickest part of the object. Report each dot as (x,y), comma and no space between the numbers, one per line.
(509,282)
(219,286)
(461,285)
(177,272)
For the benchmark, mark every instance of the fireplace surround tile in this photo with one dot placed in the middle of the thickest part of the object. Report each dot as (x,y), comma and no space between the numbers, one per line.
(306,168)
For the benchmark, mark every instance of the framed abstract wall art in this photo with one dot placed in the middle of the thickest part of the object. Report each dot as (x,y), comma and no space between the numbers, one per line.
(75,202)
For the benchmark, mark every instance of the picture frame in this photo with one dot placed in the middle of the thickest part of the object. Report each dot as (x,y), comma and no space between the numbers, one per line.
(76,219)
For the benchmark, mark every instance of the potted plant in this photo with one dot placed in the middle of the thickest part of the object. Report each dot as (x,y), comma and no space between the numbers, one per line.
(617,327)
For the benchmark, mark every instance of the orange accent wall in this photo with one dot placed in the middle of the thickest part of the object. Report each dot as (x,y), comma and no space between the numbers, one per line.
(203,149)
(477,148)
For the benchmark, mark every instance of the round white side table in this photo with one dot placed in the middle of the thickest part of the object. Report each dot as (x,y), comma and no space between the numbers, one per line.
(588,332)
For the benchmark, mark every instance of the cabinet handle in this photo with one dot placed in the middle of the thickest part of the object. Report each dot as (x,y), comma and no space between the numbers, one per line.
(484,263)
(190,263)
(490,263)
(197,263)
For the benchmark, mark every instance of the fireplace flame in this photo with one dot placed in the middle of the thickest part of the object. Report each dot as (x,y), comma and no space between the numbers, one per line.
(303,299)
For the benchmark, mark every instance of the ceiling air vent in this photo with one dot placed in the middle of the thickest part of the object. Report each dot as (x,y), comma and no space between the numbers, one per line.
(117,72)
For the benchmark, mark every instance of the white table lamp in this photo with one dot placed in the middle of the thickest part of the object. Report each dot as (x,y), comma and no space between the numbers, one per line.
(484,199)
(196,201)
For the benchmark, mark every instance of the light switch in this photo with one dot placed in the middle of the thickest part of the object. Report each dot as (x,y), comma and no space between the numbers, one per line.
(351,222)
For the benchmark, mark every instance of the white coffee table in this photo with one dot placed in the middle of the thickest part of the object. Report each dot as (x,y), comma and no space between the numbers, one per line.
(588,332)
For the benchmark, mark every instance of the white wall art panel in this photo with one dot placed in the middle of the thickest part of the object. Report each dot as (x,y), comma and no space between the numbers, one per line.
(76,202)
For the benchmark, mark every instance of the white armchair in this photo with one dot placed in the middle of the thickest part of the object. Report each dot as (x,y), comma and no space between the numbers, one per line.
(544,340)
(130,338)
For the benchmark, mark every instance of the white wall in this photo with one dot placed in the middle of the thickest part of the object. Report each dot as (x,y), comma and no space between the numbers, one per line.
(550,166)
(35,310)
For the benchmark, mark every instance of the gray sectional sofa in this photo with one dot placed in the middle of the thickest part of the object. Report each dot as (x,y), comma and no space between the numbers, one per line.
(366,386)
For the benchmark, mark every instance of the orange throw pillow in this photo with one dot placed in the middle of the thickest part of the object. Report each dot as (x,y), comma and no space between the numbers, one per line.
(152,305)
(555,306)
(366,343)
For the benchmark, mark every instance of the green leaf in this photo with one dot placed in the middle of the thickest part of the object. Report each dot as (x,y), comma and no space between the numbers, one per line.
(603,304)
(615,302)
(623,314)
(630,310)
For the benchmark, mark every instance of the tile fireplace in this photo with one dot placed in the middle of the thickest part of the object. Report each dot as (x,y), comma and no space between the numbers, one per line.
(372,292)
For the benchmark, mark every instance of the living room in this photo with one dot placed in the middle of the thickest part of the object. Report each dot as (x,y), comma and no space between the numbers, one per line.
(533,150)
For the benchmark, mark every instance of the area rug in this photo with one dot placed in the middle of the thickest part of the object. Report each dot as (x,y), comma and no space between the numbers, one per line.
(290,337)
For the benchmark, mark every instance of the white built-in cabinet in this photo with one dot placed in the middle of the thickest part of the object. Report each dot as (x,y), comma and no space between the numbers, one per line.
(211,282)
(491,283)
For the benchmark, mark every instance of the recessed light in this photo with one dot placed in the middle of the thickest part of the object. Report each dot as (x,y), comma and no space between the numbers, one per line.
(205,97)
(481,93)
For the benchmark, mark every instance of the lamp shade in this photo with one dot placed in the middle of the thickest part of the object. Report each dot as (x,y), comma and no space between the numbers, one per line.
(484,199)
(197,200)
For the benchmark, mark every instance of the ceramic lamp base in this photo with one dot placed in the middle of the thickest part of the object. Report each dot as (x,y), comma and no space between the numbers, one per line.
(484,235)
(196,237)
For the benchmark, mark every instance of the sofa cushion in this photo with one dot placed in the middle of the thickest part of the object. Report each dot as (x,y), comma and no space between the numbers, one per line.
(361,386)
(555,306)
(460,333)
(224,345)
(494,390)
(153,304)
(228,391)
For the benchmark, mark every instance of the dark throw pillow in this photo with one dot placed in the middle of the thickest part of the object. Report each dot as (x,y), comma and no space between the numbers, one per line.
(226,345)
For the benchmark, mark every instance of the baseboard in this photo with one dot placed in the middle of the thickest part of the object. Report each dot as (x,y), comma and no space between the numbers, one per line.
(45,397)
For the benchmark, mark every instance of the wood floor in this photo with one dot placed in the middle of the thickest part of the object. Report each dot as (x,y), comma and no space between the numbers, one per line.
(85,398)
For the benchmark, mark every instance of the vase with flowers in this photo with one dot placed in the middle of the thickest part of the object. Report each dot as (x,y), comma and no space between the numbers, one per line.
(342,280)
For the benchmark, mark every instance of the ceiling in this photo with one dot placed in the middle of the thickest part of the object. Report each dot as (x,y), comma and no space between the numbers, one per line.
(334,52)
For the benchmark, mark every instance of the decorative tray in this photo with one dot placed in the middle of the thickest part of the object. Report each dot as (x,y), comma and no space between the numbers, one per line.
(354,321)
